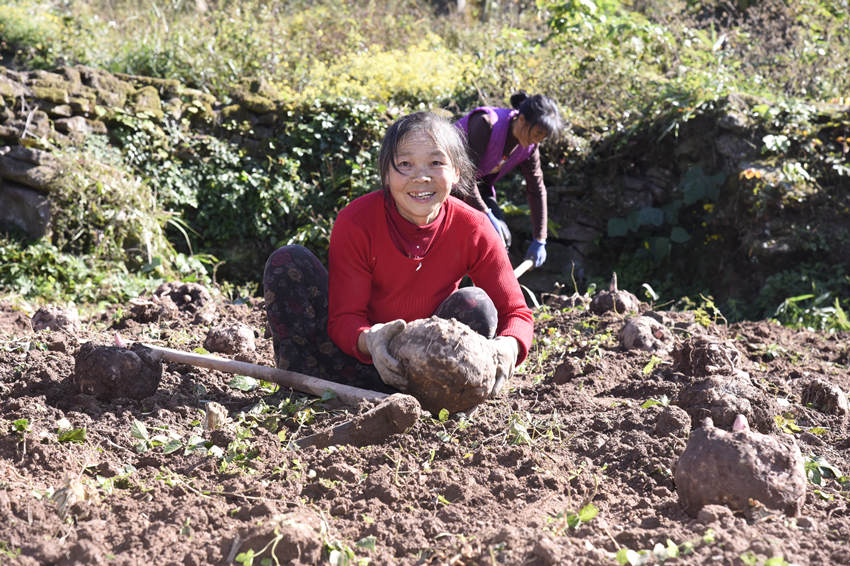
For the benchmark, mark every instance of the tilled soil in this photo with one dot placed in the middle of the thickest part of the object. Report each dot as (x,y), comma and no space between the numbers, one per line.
(585,425)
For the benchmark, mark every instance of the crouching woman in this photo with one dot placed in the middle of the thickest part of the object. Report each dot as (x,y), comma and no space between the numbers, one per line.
(396,255)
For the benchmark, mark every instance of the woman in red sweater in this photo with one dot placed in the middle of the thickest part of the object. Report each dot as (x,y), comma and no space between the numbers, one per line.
(397,255)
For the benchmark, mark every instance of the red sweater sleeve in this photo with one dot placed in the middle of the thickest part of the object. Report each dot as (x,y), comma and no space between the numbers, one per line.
(492,272)
(350,266)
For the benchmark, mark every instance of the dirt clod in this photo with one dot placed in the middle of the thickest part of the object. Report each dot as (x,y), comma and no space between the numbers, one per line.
(393,415)
(448,365)
(109,372)
(568,370)
(232,339)
(673,421)
(732,468)
(722,397)
(56,318)
(293,538)
(175,299)
(826,397)
(646,333)
(621,302)
(701,356)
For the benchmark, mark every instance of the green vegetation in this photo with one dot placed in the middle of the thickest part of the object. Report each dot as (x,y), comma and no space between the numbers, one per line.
(183,196)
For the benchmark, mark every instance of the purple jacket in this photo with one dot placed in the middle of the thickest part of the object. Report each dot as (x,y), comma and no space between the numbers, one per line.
(493,154)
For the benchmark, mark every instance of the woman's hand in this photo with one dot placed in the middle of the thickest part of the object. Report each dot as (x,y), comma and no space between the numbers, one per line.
(507,350)
(536,252)
(501,228)
(374,342)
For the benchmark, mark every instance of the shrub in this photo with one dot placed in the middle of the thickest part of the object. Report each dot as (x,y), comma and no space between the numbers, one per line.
(39,270)
(37,36)
(239,205)
(102,211)
(421,73)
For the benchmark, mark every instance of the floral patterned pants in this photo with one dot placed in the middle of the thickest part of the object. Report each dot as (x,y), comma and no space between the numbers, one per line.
(295,286)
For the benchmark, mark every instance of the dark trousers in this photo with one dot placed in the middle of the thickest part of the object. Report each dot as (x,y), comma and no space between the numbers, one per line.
(295,287)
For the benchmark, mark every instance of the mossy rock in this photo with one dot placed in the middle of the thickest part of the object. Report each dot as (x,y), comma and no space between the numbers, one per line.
(258,104)
(51,94)
(146,99)
(82,104)
(165,87)
(231,112)
(195,94)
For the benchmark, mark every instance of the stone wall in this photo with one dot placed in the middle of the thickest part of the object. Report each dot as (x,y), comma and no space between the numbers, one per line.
(43,110)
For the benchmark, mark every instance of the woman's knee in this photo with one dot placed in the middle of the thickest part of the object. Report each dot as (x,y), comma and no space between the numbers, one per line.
(473,307)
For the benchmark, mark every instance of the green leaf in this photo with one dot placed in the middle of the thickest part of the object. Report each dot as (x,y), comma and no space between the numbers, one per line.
(21,425)
(588,512)
(660,247)
(139,430)
(648,369)
(672,549)
(244,383)
(72,435)
(632,558)
(663,400)
(443,416)
(159,440)
(173,445)
(367,542)
(696,185)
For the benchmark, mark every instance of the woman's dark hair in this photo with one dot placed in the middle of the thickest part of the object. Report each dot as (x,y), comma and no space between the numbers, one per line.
(539,110)
(445,135)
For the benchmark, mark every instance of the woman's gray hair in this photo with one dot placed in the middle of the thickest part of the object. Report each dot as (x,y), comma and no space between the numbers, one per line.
(447,137)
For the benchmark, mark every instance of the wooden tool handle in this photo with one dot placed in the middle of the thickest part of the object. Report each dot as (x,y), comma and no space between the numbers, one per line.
(294,380)
(523,267)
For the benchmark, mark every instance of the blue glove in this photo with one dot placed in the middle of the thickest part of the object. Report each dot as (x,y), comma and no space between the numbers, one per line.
(536,252)
(501,228)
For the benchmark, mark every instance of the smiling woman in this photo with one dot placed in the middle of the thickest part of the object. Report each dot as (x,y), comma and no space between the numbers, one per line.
(397,255)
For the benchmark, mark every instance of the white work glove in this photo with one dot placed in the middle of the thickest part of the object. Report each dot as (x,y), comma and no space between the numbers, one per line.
(376,339)
(506,350)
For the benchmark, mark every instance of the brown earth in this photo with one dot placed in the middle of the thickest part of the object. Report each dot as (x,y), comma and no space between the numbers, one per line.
(501,485)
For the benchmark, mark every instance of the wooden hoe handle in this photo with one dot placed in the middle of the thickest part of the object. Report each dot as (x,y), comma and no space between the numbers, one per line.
(305,383)
(523,267)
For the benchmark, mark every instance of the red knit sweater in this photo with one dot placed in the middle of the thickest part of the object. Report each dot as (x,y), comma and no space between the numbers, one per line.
(371,281)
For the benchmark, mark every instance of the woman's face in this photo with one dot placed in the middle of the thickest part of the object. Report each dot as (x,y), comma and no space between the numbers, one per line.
(423,180)
(527,135)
